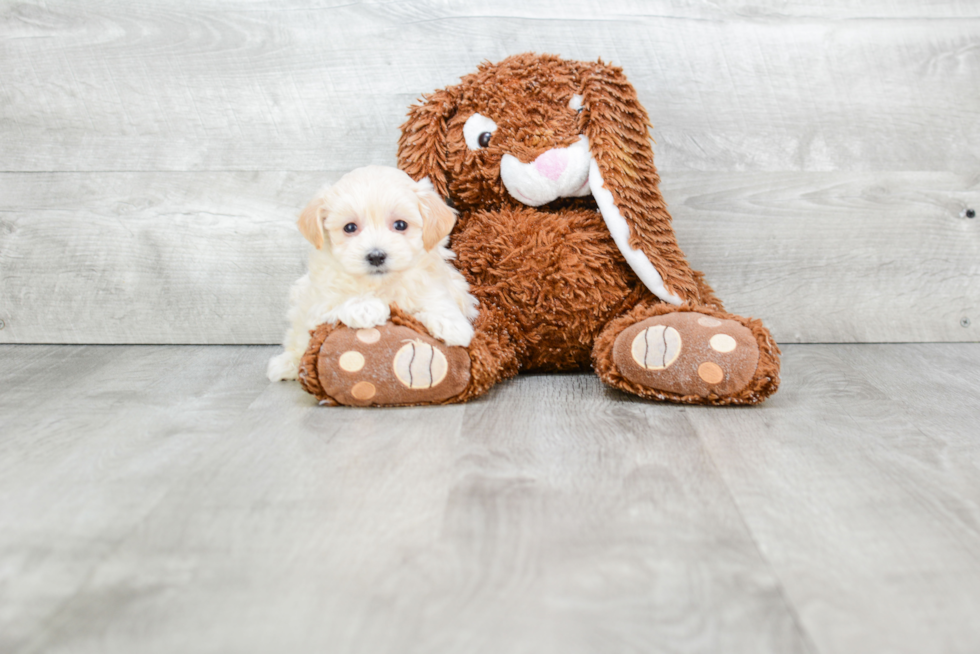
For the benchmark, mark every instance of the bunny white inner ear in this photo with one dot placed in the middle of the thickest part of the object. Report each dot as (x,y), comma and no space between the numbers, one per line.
(621,235)
(474,126)
(575,103)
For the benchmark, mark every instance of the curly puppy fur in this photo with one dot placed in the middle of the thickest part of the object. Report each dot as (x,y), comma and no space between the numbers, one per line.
(554,288)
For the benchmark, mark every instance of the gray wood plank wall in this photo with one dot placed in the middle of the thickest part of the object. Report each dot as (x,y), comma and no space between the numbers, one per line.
(819,158)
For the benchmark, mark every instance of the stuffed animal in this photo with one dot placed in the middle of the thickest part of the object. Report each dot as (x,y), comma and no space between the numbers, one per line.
(567,243)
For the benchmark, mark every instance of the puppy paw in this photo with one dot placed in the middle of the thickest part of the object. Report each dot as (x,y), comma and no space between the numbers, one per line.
(451,330)
(361,313)
(282,367)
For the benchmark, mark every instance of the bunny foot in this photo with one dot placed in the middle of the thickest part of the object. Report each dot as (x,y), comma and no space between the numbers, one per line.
(388,365)
(691,357)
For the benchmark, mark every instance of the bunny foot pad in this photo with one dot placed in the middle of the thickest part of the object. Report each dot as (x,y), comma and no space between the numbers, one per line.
(390,365)
(688,353)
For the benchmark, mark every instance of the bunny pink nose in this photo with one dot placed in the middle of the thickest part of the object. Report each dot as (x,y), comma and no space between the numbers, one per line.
(552,163)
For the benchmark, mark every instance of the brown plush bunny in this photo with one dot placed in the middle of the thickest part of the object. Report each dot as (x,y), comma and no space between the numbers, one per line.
(567,244)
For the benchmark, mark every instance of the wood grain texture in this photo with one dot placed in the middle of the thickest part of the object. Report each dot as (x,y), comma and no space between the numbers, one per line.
(553,517)
(209,257)
(90,86)
(859,481)
(844,138)
(832,257)
(92,440)
(610,514)
(150,258)
(162,499)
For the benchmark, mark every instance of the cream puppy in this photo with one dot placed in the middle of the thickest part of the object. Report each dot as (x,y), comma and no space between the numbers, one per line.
(380,239)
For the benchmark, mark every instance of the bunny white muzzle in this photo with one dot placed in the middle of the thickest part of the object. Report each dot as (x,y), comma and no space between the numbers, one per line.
(557,173)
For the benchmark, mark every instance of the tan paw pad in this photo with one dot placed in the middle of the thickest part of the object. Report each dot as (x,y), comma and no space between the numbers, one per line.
(711,373)
(655,348)
(351,361)
(369,335)
(722,343)
(363,390)
(419,365)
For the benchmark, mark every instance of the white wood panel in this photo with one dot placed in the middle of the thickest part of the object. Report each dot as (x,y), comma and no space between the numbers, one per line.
(832,257)
(209,257)
(308,86)
(150,258)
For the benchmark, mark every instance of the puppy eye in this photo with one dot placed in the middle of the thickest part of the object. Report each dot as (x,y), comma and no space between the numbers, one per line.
(477,131)
(350,228)
(400,225)
(576,103)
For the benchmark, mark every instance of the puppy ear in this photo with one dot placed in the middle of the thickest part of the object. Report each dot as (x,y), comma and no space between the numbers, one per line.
(619,139)
(437,217)
(310,221)
(422,144)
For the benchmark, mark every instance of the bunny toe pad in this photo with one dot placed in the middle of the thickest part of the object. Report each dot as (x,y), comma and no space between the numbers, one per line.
(688,353)
(389,365)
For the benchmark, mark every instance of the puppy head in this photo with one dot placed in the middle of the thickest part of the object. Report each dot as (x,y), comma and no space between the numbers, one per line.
(377,220)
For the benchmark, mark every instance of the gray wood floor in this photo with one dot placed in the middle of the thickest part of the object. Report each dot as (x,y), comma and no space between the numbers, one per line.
(168,499)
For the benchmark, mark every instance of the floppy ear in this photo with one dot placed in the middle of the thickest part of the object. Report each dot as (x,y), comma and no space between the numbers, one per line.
(310,221)
(437,217)
(626,186)
(422,144)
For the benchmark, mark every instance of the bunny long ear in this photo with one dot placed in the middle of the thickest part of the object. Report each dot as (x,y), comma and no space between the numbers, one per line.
(626,185)
(422,144)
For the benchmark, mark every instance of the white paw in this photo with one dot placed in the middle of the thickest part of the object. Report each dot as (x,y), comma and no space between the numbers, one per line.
(450,330)
(360,313)
(282,367)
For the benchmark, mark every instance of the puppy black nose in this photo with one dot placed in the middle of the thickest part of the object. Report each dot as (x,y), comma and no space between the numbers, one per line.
(376,257)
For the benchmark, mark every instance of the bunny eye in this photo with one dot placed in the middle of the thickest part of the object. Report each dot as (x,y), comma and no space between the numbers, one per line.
(477,131)
(576,103)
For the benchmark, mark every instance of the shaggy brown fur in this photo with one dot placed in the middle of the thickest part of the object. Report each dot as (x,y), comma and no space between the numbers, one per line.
(554,289)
